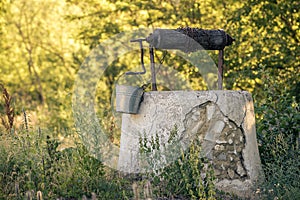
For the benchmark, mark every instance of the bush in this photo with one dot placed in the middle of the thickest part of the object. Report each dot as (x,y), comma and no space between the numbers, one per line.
(278,125)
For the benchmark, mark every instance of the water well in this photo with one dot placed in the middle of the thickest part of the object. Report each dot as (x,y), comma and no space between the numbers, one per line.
(223,121)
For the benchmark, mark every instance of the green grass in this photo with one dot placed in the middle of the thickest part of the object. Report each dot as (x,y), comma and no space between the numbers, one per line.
(32,162)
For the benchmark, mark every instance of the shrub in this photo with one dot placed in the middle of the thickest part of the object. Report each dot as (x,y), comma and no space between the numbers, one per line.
(278,125)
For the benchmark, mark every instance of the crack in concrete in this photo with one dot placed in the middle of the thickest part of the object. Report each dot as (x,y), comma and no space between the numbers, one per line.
(239,154)
(245,111)
(155,111)
(217,97)
(184,121)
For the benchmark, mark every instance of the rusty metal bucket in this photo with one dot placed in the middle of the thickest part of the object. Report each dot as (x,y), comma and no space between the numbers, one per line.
(128,98)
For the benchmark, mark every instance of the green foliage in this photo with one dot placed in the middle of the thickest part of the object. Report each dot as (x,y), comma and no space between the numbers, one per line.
(47,46)
(190,175)
(267,33)
(31,161)
(278,128)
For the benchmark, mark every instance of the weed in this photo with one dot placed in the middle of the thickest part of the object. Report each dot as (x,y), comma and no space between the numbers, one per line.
(189,176)
(7,121)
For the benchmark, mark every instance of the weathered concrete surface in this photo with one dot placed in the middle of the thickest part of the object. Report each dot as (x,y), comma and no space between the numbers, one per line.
(223,121)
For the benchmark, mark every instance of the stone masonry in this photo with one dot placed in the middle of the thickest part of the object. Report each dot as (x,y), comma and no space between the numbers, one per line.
(223,121)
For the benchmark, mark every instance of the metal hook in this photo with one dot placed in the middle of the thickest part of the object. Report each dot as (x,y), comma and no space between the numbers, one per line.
(140,41)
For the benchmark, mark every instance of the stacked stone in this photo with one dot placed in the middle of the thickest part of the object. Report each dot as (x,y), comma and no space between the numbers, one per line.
(227,153)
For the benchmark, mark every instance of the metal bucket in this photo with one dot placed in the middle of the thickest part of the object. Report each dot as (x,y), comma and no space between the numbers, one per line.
(128,98)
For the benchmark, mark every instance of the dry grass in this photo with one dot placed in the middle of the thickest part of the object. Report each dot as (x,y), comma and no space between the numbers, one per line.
(7,120)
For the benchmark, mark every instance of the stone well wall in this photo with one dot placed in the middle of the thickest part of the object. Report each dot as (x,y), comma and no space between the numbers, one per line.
(223,121)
